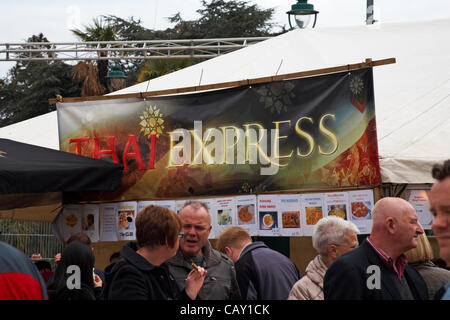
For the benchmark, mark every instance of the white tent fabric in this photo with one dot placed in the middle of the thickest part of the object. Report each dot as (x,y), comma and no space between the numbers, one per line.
(412,96)
(41,131)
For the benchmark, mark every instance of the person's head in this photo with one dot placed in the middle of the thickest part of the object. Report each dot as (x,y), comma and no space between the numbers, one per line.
(334,236)
(395,225)
(43,265)
(80,237)
(114,257)
(196,225)
(423,252)
(232,241)
(156,227)
(75,254)
(439,198)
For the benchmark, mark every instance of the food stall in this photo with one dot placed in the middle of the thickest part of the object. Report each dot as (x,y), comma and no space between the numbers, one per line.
(272,155)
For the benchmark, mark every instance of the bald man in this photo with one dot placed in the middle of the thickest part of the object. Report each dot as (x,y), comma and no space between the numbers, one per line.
(378,269)
(439,197)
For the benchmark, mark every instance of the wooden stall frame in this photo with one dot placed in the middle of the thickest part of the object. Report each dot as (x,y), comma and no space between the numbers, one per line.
(349,67)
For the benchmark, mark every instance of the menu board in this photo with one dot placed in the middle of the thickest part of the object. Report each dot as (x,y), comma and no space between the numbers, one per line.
(211,204)
(142,204)
(336,204)
(290,215)
(361,206)
(108,225)
(247,217)
(178,205)
(125,217)
(268,215)
(90,221)
(71,220)
(224,214)
(313,209)
(170,204)
(290,206)
(419,200)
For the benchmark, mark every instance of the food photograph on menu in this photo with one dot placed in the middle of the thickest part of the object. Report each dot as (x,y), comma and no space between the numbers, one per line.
(268,220)
(224,217)
(361,210)
(246,214)
(337,210)
(313,214)
(125,218)
(88,222)
(290,219)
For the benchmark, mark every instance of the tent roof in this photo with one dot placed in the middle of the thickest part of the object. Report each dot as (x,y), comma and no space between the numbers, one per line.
(26,168)
(411,96)
(40,131)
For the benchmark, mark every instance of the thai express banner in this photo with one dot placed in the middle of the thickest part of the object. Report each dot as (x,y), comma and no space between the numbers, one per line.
(316,132)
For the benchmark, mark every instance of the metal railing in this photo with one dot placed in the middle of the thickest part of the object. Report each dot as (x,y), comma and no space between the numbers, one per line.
(123,50)
(31,237)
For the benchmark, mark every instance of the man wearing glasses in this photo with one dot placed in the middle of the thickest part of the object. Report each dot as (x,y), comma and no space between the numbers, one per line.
(195,250)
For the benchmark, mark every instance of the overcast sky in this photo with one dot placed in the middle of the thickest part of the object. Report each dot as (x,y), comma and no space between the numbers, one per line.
(20,19)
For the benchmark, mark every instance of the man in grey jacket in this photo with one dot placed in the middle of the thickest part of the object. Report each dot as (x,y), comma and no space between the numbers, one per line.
(195,250)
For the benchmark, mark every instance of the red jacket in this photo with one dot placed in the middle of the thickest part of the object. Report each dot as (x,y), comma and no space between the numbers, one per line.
(19,277)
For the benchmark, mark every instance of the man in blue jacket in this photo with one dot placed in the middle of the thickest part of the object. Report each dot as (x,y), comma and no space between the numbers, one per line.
(262,273)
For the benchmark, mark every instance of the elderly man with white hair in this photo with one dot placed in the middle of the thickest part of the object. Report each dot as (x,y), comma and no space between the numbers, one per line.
(332,237)
(378,269)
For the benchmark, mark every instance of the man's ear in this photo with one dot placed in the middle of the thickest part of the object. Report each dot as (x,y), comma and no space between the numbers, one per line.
(332,252)
(228,251)
(390,224)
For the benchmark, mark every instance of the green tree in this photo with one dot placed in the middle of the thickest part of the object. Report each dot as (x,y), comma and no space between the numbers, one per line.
(219,19)
(24,93)
(100,30)
(159,67)
(225,19)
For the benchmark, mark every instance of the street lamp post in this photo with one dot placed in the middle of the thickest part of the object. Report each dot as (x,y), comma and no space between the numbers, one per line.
(115,78)
(303,13)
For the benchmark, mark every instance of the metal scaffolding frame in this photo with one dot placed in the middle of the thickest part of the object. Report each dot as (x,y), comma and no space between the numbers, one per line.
(123,50)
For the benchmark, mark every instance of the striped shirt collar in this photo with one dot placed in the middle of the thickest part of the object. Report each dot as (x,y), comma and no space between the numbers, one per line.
(400,264)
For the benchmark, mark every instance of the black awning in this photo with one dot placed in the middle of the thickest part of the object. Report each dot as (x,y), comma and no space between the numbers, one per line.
(26,168)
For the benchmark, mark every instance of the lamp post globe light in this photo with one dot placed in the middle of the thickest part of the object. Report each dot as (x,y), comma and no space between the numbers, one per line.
(115,78)
(303,13)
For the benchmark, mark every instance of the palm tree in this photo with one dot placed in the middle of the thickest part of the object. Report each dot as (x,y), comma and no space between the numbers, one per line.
(98,31)
(159,67)
(87,75)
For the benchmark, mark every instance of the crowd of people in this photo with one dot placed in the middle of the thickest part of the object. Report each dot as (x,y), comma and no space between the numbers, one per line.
(172,259)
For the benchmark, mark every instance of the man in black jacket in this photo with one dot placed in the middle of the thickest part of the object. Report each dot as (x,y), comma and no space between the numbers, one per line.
(262,273)
(378,269)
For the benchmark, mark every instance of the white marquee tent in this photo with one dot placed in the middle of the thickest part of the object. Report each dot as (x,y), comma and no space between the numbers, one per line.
(412,96)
